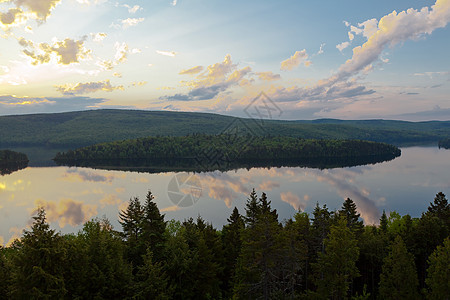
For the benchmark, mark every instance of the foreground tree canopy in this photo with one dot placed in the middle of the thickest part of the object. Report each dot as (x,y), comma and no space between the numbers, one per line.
(217,152)
(326,255)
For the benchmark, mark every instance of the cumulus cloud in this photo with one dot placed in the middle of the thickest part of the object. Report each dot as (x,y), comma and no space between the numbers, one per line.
(25,9)
(342,46)
(191,71)
(99,36)
(299,57)
(294,200)
(130,22)
(167,53)
(268,185)
(24,105)
(86,176)
(392,29)
(133,9)
(138,83)
(67,211)
(217,78)
(67,51)
(88,87)
(268,76)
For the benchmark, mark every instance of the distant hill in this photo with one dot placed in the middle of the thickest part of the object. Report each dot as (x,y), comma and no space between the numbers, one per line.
(78,129)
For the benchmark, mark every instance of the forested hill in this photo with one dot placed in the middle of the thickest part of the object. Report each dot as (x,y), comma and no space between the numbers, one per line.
(222,152)
(77,129)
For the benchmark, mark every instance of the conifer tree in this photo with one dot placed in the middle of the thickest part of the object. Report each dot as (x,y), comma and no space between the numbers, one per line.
(38,262)
(152,281)
(349,211)
(398,279)
(251,209)
(153,227)
(5,274)
(438,280)
(336,267)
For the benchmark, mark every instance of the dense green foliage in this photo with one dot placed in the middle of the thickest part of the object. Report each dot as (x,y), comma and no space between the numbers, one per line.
(444,143)
(78,129)
(210,152)
(11,161)
(328,255)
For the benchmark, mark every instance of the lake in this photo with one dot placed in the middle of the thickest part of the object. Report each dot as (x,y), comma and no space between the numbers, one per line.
(72,196)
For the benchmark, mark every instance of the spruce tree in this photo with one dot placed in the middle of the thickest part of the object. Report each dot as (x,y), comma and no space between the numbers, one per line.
(438,280)
(349,211)
(232,244)
(251,209)
(5,273)
(38,262)
(336,267)
(398,279)
(153,227)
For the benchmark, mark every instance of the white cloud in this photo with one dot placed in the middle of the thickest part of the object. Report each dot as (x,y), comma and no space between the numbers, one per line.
(133,9)
(342,46)
(130,22)
(167,53)
(88,87)
(295,60)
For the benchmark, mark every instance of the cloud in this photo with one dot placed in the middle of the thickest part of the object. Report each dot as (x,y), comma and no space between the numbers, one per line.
(170,208)
(392,29)
(167,53)
(133,9)
(139,83)
(67,211)
(268,76)
(87,176)
(191,71)
(110,200)
(130,22)
(24,105)
(217,78)
(321,49)
(294,200)
(88,87)
(67,51)
(431,75)
(174,2)
(268,185)
(299,57)
(24,9)
(99,36)
(342,46)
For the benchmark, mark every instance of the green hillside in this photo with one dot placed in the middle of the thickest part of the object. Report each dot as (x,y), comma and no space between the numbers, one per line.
(77,129)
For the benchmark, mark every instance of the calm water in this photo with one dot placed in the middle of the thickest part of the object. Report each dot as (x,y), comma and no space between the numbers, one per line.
(72,196)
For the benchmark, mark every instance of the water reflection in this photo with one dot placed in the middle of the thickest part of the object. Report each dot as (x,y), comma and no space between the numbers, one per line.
(72,196)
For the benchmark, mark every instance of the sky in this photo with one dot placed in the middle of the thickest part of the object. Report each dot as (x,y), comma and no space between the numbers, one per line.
(347,59)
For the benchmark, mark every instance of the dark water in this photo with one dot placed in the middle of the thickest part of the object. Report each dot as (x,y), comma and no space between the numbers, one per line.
(74,195)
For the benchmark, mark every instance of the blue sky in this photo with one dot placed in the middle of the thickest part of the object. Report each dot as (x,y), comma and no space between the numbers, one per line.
(327,59)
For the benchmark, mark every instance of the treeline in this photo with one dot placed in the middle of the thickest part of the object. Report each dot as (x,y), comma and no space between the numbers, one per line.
(207,150)
(326,255)
(11,161)
(444,143)
(79,129)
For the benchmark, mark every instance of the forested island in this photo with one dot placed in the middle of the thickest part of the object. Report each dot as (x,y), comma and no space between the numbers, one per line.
(201,152)
(325,255)
(444,143)
(11,161)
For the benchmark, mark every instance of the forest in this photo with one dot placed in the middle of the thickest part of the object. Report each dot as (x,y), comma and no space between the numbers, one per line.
(444,143)
(11,161)
(325,255)
(218,152)
(84,128)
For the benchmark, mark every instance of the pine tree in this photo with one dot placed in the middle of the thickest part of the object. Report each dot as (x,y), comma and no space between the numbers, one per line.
(398,279)
(38,262)
(384,222)
(152,281)
(251,209)
(349,211)
(336,267)
(232,244)
(440,208)
(258,263)
(131,220)
(153,227)
(5,273)
(438,279)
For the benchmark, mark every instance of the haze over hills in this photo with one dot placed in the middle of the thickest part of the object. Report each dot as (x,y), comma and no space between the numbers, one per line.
(83,128)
